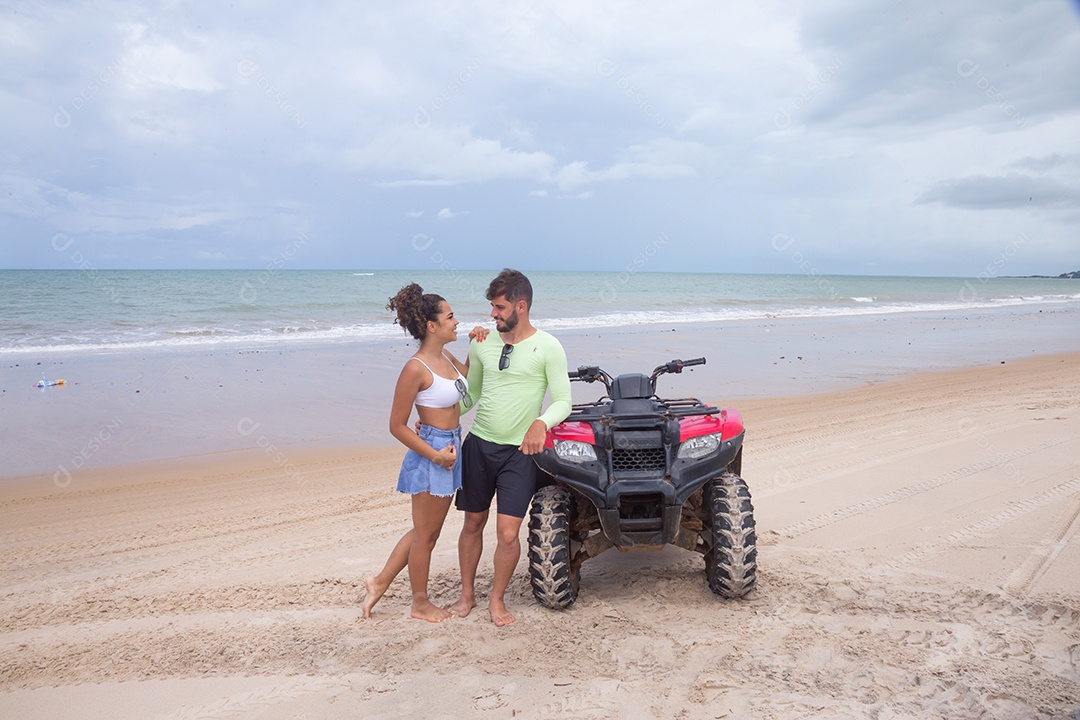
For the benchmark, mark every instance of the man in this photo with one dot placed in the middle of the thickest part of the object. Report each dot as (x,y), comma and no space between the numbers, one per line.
(510,379)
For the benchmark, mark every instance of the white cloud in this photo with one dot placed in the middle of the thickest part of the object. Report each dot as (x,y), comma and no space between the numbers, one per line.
(163,64)
(434,156)
(662,159)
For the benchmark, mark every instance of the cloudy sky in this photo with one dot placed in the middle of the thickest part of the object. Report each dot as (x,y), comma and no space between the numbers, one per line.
(835,136)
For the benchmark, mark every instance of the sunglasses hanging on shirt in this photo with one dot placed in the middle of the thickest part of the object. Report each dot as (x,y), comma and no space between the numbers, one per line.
(504,359)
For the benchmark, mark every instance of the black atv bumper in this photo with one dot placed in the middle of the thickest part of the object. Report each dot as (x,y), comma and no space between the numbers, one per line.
(640,508)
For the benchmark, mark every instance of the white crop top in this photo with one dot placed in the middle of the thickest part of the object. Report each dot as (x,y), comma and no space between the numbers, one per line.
(443,392)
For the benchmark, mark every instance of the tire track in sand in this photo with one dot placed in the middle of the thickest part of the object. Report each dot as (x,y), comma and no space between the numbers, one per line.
(829,518)
(1042,558)
(986,525)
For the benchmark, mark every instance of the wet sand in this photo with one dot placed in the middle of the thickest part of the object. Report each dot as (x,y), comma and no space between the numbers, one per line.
(123,407)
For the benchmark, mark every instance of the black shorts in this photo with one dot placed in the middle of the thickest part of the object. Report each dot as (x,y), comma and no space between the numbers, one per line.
(490,469)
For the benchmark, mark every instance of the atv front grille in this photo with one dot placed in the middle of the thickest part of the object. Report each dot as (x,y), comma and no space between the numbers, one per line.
(638,459)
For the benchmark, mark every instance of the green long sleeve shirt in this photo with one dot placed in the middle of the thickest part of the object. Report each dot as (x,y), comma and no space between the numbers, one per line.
(511,399)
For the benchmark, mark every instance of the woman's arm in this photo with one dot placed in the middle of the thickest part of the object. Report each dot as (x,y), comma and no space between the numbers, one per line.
(479,334)
(409,383)
(475,376)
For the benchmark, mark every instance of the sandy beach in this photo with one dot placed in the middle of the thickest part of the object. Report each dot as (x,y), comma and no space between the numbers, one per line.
(918,546)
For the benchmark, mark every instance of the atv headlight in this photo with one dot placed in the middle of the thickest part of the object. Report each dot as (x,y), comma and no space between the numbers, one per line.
(698,447)
(575,451)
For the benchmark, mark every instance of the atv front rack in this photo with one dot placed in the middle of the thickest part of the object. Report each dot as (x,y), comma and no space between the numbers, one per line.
(604,410)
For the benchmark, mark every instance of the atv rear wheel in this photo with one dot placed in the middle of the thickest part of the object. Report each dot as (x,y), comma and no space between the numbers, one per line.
(553,576)
(731,563)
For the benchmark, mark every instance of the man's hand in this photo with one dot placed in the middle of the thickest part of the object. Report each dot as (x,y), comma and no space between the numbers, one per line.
(534,438)
(479,333)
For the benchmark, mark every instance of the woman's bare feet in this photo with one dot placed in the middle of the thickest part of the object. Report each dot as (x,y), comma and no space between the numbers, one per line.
(374,592)
(499,614)
(423,609)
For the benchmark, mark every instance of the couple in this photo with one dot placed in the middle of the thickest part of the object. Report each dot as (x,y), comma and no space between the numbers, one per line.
(509,382)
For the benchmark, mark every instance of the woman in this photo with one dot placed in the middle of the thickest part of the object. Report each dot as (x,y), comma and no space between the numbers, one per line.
(434,381)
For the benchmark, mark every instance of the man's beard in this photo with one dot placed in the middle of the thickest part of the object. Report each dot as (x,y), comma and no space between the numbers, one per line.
(507,325)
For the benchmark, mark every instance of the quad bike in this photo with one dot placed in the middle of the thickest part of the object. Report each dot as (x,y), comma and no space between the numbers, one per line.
(634,471)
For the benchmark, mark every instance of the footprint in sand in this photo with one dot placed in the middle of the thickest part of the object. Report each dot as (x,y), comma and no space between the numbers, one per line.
(492,699)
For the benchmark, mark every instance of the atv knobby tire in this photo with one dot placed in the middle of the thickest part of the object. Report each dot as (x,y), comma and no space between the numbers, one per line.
(731,564)
(553,577)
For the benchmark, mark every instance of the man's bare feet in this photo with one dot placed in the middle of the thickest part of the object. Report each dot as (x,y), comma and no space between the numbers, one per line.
(499,614)
(374,592)
(425,610)
(464,605)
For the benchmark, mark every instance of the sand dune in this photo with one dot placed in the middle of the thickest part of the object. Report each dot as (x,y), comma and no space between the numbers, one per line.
(918,550)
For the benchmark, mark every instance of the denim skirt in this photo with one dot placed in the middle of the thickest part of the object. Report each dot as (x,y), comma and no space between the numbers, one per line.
(419,474)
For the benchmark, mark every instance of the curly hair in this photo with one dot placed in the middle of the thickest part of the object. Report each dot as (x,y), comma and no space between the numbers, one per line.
(414,308)
(512,285)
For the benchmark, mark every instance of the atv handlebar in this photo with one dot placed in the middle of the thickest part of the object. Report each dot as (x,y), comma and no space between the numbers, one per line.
(593,373)
(676,366)
(634,383)
(590,373)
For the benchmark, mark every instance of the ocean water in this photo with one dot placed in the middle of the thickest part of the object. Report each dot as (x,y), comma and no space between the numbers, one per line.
(63,311)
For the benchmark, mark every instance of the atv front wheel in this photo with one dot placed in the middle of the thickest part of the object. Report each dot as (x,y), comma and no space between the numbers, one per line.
(552,574)
(731,563)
